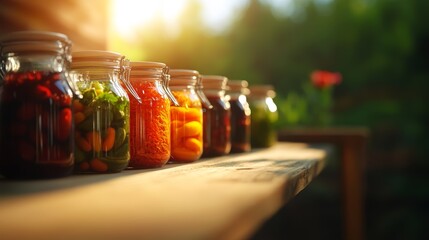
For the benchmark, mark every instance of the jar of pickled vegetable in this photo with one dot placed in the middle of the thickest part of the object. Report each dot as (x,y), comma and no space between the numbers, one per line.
(36,139)
(187,118)
(217,120)
(240,116)
(264,116)
(102,116)
(150,118)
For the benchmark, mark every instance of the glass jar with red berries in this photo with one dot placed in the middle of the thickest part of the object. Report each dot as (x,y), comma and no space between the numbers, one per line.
(240,116)
(36,130)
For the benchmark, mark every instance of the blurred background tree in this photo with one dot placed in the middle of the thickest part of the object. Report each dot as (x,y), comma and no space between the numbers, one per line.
(381,49)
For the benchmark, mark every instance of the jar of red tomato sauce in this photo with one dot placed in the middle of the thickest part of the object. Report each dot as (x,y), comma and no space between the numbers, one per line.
(36,130)
(102,116)
(150,118)
(240,116)
(187,118)
(217,120)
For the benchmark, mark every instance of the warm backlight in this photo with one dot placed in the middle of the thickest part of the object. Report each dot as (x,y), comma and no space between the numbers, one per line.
(130,16)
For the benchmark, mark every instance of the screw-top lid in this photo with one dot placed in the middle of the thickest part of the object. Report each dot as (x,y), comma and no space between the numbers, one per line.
(262,90)
(214,82)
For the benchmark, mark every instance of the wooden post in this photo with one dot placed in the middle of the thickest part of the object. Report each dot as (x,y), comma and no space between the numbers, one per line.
(352,144)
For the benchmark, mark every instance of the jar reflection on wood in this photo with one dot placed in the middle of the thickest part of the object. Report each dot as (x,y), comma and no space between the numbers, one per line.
(217,120)
(240,116)
(102,115)
(264,116)
(187,118)
(150,118)
(36,139)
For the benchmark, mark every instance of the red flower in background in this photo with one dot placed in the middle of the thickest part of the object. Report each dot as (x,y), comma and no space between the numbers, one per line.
(324,79)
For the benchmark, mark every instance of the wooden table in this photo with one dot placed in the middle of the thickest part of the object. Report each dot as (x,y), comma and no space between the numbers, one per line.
(219,198)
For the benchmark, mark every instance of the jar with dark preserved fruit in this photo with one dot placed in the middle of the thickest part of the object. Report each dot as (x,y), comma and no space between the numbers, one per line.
(240,116)
(264,116)
(217,120)
(102,116)
(36,130)
(187,118)
(150,117)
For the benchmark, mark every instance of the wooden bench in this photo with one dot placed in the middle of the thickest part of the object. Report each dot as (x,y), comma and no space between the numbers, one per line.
(220,198)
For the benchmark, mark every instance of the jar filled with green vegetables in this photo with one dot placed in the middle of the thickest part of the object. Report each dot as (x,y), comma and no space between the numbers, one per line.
(264,116)
(102,115)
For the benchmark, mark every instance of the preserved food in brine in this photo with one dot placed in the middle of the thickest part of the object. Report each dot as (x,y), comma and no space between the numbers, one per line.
(186,119)
(217,120)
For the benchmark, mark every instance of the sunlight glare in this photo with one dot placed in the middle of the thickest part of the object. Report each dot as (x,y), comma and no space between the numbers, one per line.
(129,16)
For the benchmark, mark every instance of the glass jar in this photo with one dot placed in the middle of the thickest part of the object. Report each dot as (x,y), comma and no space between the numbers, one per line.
(187,118)
(217,120)
(205,103)
(264,116)
(150,118)
(36,139)
(102,116)
(240,116)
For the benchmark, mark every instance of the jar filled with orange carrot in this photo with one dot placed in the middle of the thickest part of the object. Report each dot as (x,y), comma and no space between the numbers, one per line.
(102,115)
(187,118)
(150,118)
(217,120)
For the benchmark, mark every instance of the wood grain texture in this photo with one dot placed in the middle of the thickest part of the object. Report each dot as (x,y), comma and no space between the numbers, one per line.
(220,198)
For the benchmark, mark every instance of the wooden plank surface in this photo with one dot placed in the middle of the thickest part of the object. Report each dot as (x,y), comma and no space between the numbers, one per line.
(220,198)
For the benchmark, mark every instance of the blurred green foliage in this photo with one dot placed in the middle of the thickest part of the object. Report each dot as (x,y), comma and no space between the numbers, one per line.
(380,47)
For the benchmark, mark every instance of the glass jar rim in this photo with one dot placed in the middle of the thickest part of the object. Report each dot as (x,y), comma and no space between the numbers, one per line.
(146,64)
(237,83)
(263,90)
(183,77)
(22,36)
(239,86)
(150,69)
(214,82)
(97,58)
(35,41)
(184,73)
